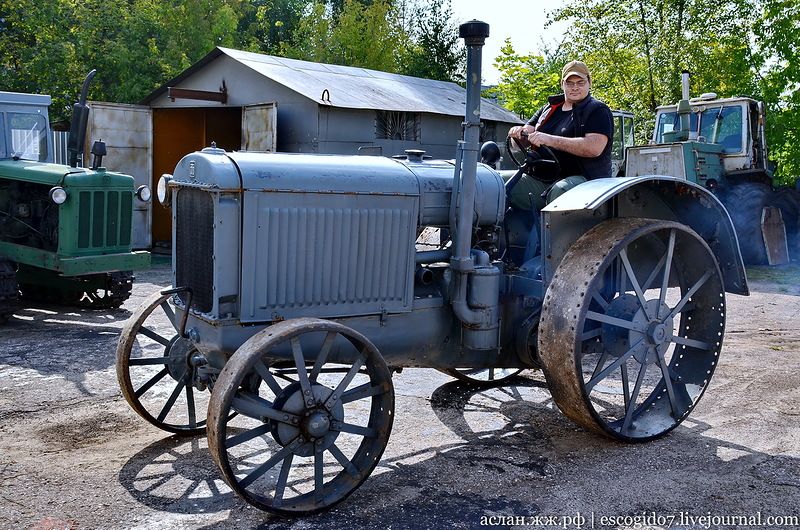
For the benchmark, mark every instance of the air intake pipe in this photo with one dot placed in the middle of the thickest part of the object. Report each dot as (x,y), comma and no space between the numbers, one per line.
(476,280)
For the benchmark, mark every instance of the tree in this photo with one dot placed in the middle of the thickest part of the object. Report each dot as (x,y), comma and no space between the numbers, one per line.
(637,49)
(434,50)
(266,25)
(776,32)
(366,36)
(135,45)
(35,53)
(525,80)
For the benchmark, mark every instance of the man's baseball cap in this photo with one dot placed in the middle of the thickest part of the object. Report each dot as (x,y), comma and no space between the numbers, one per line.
(575,68)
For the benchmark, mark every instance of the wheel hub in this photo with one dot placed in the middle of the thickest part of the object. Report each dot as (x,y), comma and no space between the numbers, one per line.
(179,352)
(657,334)
(315,425)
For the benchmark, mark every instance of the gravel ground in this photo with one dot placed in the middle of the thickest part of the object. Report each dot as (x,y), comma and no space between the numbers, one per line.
(74,455)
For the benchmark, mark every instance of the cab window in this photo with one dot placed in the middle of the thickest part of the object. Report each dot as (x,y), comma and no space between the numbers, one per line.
(617,145)
(723,126)
(670,121)
(28,136)
(627,131)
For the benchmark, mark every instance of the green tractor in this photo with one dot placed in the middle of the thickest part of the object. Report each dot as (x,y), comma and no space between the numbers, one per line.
(65,230)
(721,144)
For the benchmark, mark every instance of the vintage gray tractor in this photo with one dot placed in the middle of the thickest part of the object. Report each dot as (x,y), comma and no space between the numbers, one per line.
(299,289)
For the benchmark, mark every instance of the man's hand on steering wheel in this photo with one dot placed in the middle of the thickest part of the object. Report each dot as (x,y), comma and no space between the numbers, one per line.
(536,160)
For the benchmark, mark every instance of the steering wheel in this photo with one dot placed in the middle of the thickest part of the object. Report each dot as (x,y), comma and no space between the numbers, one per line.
(541,162)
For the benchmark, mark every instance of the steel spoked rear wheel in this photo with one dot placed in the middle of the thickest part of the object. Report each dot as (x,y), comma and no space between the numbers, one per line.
(159,371)
(312,426)
(630,351)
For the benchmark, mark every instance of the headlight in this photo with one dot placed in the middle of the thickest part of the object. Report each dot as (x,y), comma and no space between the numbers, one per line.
(143,193)
(58,195)
(162,190)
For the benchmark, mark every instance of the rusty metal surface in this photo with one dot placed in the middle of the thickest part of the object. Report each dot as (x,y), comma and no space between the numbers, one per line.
(563,333)
(256,356)
(259,127)
(563,307)
(128,133)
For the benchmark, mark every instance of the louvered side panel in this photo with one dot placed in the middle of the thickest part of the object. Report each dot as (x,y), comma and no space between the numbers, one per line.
(327,255)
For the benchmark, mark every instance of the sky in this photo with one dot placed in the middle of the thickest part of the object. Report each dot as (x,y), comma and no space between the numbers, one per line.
(523,22)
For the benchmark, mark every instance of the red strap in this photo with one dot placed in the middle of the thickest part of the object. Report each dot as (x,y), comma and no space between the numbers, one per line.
(546,116)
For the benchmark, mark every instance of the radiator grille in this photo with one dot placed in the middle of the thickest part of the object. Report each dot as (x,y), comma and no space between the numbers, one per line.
(310,259)
(194,246)
(104,219)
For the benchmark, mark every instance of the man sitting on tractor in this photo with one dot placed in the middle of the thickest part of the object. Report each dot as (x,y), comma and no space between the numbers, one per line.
(574,128)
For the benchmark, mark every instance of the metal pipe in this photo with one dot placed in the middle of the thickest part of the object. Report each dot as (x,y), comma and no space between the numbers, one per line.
(424,276)
(456,190)
(474,34)
(685,85)
(685,109)
(77,128)
(433,256)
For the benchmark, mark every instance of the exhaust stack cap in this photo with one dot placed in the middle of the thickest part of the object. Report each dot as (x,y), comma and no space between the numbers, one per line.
(474,32)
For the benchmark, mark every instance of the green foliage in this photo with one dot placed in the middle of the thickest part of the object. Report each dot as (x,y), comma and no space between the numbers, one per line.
(267,25)
(368,36)
(34,52)
(135,45)
(636,49)
(777,32)
(525,80)
(434,50)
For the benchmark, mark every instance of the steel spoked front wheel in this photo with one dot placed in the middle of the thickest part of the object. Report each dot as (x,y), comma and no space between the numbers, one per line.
(315,407)
(630,351)
(159,371)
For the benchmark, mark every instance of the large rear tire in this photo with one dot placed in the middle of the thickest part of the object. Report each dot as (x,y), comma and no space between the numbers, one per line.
(788,200)
(744,203)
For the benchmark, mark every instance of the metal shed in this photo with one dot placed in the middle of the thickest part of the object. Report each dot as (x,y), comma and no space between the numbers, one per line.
(249,101)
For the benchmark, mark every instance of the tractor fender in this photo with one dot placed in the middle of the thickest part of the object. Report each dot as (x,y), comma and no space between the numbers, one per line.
(648,196)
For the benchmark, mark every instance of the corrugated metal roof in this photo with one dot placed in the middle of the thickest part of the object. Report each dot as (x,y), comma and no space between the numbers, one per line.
(356,88)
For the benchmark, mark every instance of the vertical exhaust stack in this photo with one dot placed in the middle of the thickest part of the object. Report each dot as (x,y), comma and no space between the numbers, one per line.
(685,110)
(685,85)
(77,127)
(476,281)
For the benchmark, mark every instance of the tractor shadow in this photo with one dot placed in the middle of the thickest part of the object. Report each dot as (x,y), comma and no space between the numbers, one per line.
(54,340)
(508,451)
(64,340)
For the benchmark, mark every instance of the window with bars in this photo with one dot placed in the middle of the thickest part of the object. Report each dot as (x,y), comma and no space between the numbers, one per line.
(488,131)
(392,125)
